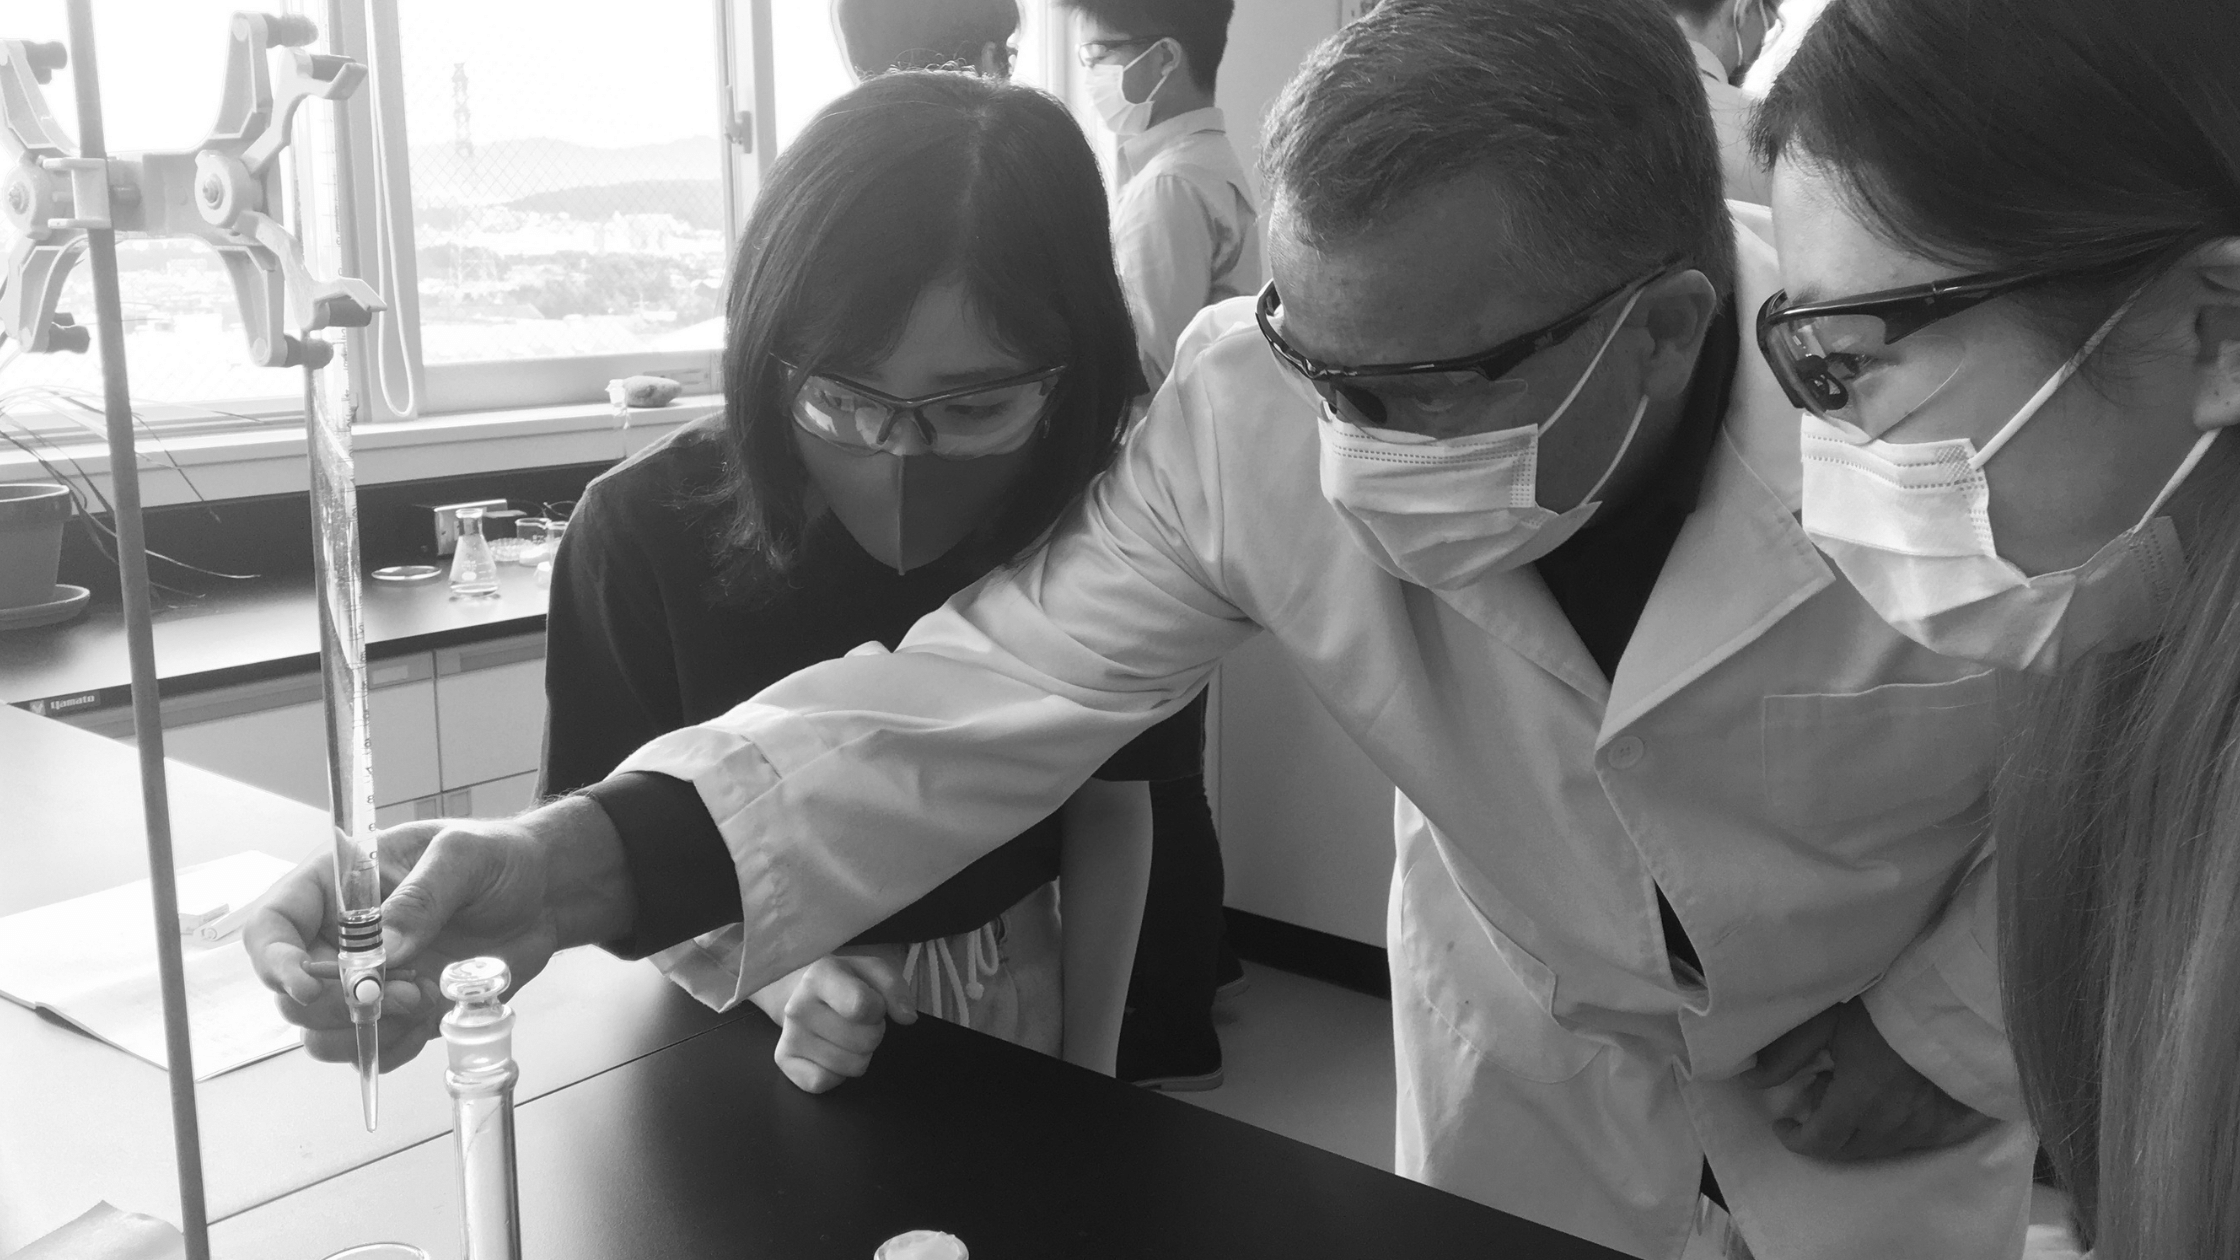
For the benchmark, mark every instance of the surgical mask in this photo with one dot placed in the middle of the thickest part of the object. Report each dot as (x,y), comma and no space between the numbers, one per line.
(1445,512)
(1909,524)
(907,511)
(1123,116)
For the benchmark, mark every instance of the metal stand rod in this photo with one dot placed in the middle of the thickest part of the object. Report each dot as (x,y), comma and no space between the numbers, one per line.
(147,715)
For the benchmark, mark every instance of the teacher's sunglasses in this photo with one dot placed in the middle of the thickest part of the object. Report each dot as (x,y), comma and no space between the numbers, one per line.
(1472,394)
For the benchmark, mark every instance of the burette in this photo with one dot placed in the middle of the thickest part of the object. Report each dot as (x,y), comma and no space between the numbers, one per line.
(342,660)
(329,409)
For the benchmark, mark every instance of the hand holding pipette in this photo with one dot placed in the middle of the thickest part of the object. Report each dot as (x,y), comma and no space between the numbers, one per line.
(305,965)
(453,890)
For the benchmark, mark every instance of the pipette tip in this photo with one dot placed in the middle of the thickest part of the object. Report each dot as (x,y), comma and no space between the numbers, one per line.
(369,1073)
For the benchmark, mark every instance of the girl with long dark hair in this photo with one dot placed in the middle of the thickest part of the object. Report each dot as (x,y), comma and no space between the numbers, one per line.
(2010,231)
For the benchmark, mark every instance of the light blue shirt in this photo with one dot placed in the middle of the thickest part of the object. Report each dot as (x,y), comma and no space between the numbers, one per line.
(1184,230)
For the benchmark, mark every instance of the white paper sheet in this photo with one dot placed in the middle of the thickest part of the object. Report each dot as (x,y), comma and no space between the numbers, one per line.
(91,961)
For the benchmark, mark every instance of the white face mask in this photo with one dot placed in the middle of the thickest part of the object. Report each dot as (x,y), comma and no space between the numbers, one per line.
(1909,524)
(1123,116)
(1445,512)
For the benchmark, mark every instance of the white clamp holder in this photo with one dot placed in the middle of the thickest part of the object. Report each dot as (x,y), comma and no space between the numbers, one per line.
(225,192)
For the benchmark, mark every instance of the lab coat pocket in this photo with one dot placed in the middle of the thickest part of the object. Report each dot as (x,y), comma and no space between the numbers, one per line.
(1485,987)
(1881,763)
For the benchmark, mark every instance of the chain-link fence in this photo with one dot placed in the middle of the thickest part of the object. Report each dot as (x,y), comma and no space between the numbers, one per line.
(566,177)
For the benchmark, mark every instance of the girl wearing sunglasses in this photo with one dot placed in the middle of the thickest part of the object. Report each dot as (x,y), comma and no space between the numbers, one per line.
(2010,233)
(928,359)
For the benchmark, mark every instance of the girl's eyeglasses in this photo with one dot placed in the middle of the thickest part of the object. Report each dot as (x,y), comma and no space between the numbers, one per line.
(987,418)
(1870,361)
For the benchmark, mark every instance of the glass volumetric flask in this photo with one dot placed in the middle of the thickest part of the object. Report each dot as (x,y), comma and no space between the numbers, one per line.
(474,571)
(478,1037)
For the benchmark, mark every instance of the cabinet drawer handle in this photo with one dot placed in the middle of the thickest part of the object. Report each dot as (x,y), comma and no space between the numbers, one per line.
(468,660)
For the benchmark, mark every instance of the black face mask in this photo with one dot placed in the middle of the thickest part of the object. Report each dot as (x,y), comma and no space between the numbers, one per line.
(907,511)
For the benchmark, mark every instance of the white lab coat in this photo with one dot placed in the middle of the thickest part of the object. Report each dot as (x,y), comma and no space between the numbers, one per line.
(1803,782)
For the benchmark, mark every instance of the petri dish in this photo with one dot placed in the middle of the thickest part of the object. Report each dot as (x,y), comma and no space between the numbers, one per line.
(405,573)
(381,1251)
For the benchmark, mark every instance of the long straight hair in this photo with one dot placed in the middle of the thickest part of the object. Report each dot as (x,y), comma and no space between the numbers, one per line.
(2078,136)
(2118,816)
(909,180)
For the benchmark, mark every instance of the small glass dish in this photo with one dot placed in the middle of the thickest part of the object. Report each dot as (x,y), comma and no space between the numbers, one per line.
(532,531)
(407,573)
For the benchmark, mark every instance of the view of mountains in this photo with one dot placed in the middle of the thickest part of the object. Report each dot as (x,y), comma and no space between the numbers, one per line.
(699,202)
(681,177)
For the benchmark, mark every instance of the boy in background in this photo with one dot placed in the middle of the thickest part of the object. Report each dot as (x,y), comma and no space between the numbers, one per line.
(1726,36)
(882,35)
(1184,226)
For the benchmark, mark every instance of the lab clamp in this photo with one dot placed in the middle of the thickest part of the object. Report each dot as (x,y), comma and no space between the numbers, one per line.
(70,201)
(225,192)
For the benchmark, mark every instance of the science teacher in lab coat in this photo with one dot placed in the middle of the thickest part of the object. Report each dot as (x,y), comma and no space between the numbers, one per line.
(1689,913)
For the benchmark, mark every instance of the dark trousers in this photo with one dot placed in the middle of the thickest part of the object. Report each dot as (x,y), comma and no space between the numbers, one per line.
(1169,1025)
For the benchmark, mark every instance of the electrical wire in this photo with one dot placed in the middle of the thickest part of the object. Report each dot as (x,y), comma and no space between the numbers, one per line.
(81,484)
(388,330)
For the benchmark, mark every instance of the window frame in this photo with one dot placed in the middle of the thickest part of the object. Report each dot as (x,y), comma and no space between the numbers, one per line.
(745,117)
(511,384)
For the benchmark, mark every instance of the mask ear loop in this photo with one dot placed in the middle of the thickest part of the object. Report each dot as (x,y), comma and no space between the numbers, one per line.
(2046,391)
(1639,411)
(2185,470)
(1562,408)
(1156,88)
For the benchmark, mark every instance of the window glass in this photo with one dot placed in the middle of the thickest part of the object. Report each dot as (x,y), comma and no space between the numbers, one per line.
(162,72)
(810,69)
(566,176)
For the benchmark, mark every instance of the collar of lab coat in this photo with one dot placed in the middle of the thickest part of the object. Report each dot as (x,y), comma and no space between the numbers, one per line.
(1740,564)
(1136,152)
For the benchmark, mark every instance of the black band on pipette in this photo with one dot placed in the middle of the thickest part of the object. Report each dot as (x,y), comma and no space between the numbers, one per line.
(361,931)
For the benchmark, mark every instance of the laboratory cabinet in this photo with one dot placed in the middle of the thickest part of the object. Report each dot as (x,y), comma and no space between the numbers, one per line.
(1305,817)
(489,709)
(457,731)
(271,733)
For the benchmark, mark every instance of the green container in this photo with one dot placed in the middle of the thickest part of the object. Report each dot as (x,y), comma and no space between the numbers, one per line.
(32,515)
